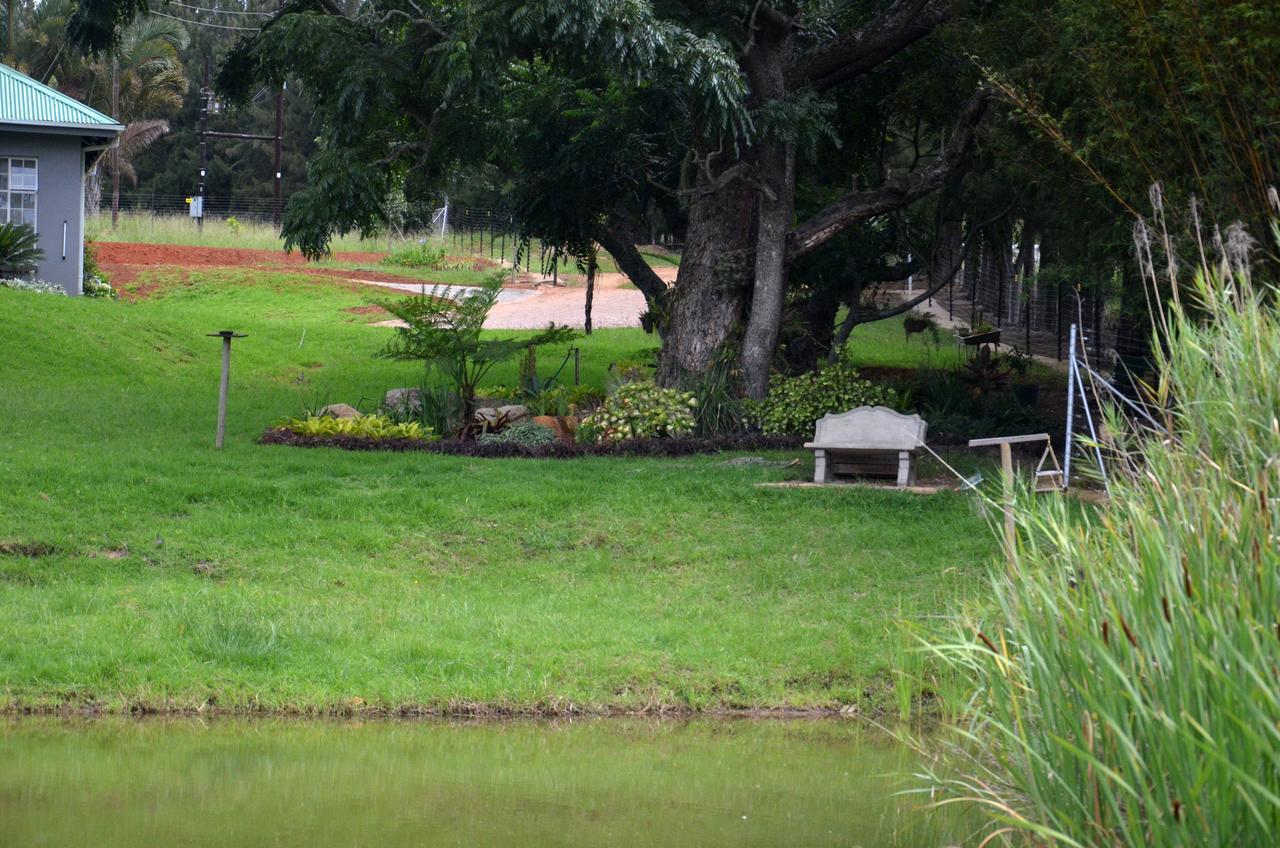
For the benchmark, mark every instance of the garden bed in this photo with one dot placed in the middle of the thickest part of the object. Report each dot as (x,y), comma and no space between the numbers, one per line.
(553,450)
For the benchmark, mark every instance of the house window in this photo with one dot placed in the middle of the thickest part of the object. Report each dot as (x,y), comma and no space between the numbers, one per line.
(19,181)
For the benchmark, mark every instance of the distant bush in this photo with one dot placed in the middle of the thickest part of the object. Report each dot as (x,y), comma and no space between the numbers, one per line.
(421,255)
(525,433)
(375,427)
(794,404)
(640,410)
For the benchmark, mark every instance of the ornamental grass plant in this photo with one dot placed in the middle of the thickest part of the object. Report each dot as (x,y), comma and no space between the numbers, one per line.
(1126,692)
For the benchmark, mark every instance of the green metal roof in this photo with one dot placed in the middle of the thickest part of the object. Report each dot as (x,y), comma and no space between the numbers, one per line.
(28,103)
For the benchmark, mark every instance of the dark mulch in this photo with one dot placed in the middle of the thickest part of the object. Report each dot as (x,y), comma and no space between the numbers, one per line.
(554,450)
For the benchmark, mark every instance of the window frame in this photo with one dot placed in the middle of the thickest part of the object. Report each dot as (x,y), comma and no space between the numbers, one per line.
(8,191)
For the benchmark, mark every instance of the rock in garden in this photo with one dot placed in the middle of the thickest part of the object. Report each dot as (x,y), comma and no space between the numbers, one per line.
(403,400)
(513,412)
(340,410)
(486,415)
(559,426)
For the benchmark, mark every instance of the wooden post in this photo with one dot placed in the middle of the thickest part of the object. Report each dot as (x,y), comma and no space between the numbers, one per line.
(226,336)
(1008,491)
(1006,466)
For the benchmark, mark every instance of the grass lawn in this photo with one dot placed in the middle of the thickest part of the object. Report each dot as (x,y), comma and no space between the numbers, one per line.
(282,578)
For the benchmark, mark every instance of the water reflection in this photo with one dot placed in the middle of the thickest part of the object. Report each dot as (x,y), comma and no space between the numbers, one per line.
(580,783)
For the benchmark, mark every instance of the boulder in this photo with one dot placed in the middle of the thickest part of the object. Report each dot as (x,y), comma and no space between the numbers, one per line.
(403,400)
(564,428)
(513,412)
(486,415)
(339,410)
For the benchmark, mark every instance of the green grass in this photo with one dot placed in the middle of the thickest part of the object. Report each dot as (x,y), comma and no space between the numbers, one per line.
(284,578)
(146,228)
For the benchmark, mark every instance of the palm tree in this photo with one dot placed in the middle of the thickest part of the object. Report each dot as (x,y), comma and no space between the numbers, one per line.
(143,79)
(41,50)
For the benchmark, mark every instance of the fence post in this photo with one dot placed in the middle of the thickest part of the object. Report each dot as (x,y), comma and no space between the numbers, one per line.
(1071,406)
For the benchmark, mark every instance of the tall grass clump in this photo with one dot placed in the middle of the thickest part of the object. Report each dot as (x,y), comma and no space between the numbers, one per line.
(1129,694)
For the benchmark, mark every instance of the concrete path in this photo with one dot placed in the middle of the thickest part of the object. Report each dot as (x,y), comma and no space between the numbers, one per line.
(615,304)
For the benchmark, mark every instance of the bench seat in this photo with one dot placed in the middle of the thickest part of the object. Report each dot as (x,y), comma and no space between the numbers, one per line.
(872,441)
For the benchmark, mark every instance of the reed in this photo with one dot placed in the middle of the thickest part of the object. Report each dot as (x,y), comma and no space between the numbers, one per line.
(1127,694)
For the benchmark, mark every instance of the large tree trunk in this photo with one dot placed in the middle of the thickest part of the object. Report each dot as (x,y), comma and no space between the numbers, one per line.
(775,174)
(714,280)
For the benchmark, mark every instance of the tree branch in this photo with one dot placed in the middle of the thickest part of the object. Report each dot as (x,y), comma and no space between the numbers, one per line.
(839,60)
(896,192)
(622,247)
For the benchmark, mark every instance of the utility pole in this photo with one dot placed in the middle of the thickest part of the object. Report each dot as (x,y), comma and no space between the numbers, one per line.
(279,134)
(115,148)
(204,143)
(279,149)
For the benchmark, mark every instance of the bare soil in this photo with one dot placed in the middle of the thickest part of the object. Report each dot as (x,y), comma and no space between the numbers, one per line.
(616,303)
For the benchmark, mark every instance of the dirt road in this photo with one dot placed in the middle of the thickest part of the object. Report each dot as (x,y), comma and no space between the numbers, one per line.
(533,301)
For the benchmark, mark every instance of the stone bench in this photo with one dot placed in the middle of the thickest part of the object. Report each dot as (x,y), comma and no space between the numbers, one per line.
(870,441)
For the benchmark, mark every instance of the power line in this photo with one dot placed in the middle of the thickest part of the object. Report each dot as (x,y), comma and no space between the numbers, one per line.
(218,11)
(204,24)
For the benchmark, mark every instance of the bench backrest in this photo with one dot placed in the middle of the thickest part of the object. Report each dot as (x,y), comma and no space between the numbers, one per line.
(871,428)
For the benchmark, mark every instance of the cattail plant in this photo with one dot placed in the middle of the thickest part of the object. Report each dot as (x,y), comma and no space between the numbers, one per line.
(1128,686)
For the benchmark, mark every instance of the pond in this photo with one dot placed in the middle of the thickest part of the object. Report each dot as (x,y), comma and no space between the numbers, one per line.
(604,782)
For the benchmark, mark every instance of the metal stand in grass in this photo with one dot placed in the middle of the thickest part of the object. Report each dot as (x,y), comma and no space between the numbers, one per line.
(226,336)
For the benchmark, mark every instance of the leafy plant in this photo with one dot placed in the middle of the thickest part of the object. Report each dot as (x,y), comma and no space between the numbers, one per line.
(97,287)
(720,407)
(19,249)
(640,410)
(376,427)
(445,332)
(794,404)
(234,225)
(421,255)
(523,432)
(986,372)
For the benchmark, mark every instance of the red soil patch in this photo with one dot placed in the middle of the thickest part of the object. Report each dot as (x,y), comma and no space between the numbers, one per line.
(124,261)
(125,253)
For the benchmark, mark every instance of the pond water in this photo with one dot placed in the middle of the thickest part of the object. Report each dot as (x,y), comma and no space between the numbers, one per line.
(572,783)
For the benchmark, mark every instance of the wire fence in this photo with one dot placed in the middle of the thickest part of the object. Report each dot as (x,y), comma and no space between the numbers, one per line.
(257,209)
(1029,310)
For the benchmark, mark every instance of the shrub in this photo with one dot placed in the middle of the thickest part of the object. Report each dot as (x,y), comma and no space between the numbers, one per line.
(640,410)
(421,255)
(37,286)
(525,433)
(1128,695)
(234,225)
(19,249)
(794,404)
(98,287)
(377,427)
